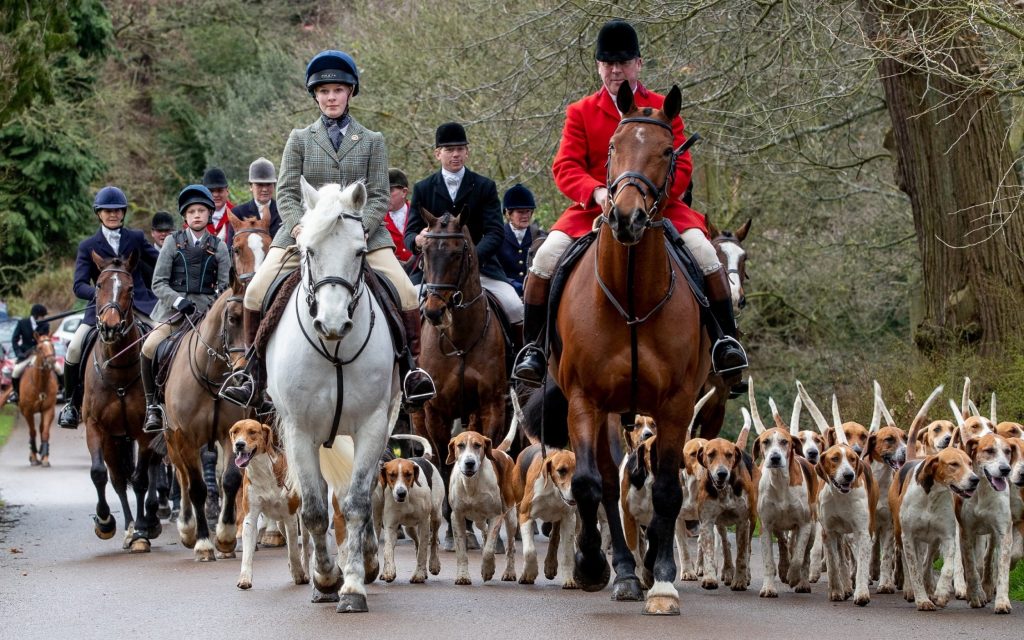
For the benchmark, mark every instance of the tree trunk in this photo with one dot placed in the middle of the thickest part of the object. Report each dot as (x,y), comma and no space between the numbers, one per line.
(953,161)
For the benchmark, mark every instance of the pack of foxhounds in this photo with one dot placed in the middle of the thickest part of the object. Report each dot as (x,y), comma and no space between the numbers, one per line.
(934,508)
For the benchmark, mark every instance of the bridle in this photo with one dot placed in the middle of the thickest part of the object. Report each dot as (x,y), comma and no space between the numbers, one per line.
(244,278)
(223,354)
(47,362)
(312,284)
(638,180)
(455,301)
(123,323)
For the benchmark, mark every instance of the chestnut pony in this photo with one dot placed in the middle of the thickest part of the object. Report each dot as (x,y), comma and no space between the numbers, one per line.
(39,395)
(113,409)
(625,282)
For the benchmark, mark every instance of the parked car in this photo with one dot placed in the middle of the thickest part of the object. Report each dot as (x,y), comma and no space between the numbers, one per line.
(67,327)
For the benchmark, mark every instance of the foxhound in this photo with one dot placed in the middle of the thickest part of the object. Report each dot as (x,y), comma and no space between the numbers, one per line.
(265,491)
(846,509)
(547,496)
(413,497)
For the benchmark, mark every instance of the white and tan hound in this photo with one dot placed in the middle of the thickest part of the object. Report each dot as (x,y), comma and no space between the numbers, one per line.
(546,495)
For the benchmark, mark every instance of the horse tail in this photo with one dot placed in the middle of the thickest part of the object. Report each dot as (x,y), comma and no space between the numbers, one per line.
(550,406)
(428,451)
(336,464)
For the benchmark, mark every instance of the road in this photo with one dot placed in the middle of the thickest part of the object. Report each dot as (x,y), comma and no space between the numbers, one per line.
(56,577)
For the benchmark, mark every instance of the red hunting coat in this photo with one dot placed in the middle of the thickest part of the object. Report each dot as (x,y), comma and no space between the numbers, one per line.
(580,164)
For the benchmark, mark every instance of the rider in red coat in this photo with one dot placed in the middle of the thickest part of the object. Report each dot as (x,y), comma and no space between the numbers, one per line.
(580,168)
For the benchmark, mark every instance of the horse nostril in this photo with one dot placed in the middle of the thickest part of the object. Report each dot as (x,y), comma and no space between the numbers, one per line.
(318,326)
(743,301)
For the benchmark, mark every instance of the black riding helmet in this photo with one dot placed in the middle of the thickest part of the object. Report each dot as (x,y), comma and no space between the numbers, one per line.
(194,194)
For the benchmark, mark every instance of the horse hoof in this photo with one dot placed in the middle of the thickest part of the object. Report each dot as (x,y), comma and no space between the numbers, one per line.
(139,545)
(227,547)
(627,590)
(661,606)
(352,603)
(225,556)
(33,461)
(45,463)
(105,530)
(587,578)
(319,598)
(272,539)
(163,512)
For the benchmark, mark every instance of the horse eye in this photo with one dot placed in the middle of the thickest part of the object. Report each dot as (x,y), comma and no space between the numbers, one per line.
(668,152)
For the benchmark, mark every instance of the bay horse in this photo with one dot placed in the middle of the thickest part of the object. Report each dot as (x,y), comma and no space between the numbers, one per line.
(331,371)
(39,395)
(627,290)
(196,416)
(732,255)
(462,344)
(114,408)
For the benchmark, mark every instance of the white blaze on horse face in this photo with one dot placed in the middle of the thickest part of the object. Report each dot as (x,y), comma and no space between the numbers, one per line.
(641,135)
(117,289)
(733,254)
(255,243)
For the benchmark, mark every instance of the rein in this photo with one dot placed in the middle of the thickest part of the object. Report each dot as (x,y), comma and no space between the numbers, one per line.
(356,290)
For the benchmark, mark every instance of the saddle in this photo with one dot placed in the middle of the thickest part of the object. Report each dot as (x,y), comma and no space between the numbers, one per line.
(674,245)
(506,329)
(276,302)
(164,356)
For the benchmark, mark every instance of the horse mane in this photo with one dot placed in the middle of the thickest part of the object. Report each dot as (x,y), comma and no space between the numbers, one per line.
(320,221)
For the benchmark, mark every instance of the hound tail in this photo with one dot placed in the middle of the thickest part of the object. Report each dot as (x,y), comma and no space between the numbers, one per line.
(428,451)
(510,437)
(336,464)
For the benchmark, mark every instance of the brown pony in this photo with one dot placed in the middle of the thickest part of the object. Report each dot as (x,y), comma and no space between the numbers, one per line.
(729,246)
(463,347)
(249,245)
(196,416)
(39,395)
(627,290)
(114,409)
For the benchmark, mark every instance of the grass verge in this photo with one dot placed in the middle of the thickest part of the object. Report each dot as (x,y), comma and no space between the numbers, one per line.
(7,416)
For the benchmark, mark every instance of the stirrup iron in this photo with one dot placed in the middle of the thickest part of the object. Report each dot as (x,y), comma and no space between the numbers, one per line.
(418,398)
(721,343)
(236,379)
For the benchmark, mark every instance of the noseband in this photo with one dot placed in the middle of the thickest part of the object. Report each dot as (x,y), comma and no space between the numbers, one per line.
(244,278)
(641,182)
(455,301)
(122,326)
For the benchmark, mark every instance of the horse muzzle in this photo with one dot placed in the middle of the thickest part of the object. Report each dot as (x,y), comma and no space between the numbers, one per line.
(331,331)
(629,228)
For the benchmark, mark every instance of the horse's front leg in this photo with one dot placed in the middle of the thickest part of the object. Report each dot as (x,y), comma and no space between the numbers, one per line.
(147,524)
(627,587)
(103,522)
(304,459)
(227,527)
(118,451)
(663,599)
(591,570)
(361,560)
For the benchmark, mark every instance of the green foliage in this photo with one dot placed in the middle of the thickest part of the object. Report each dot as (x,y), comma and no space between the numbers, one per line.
(1017,582)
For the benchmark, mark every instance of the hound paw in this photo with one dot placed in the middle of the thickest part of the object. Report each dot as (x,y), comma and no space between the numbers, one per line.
(976,602)
(941,601)
(508,576)
(388,576)
(926,605)
(768,592)
(887,588)
(244,584)
(300,578)
(836,596)
(803,587)
(689,575)
(462,580)
(709,583)
(418,578)
(739,585)
(861,599)
(435,567)
(571,584)
(528,577)
(1002,607)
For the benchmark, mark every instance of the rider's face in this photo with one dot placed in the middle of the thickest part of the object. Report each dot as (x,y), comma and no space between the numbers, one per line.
(332,98)
(262,192)
(519,218)
(613,74)
(452,158)
(111,218)
(196,217)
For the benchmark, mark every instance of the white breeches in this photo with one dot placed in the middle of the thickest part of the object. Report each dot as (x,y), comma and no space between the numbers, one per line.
(507,297)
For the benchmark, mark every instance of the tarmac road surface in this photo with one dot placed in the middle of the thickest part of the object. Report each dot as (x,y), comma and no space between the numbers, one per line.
(57,579)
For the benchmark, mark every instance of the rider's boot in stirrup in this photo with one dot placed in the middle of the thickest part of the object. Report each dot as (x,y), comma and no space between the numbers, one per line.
(728,358)
(71,414)
(417,385)
(531,363)
(154,414)
(247,388)
(13,398)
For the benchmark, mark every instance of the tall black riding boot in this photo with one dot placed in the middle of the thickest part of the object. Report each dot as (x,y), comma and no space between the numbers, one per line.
(154,415)
(727,355)
(13,398)
(531,363)
(71,414)
(417,385)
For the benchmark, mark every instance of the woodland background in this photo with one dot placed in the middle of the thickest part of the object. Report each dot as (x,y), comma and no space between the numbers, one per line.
(875,144)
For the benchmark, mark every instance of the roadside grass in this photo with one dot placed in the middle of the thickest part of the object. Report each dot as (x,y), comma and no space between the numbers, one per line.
(1017,582)
(7,417)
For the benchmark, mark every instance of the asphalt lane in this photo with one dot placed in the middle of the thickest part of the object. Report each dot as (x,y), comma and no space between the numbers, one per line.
(58,579)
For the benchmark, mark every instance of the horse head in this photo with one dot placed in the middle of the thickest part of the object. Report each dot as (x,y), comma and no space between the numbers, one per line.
(450,270)
(641,162)
(729,245)
(46,357)
(250,244)
(229,328)
(114,296)
(333,246)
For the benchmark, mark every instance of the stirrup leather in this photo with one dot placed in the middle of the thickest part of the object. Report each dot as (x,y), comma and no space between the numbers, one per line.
(237,380)
(418,398)
(720,344)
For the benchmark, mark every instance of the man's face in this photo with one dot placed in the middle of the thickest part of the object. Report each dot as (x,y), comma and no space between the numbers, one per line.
(452,158)
(262,192)
(196,217)
(220,196)
(111,218)
(398,195)
(332,98)
(519,218)
(613,74)
(159,236)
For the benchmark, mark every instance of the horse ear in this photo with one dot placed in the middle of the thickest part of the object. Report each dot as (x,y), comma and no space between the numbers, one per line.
(741,233)
(310,196)
(712,229)
(624,99)
(97,260)
(133,260)
(673,103)
(234,220)
(356,194)
(428,217)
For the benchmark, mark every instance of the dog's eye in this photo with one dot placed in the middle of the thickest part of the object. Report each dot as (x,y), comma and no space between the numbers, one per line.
(936,429)
(991,451)
(954,465)
(890,440)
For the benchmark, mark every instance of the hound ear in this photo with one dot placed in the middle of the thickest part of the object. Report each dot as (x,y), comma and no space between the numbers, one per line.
(451,452)
(830,438)
(268,433)
(869,451)
(700,457)
(548,471)
(488,451)
(741,233)
(820,470)
(415,473)
(798,446)
(755,452)
(673,103)
(957,439)
(652,456)
(624,99)
(383,476)
(970,446)
(926,474)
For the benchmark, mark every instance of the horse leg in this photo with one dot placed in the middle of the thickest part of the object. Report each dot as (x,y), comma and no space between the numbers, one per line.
(44,425)
(33,458)
(227,527)
(104,523)
(663,598)
(145,504)
(304,458)
(627,587)
(204,549)
(369,444)
(118,452)
(591,569)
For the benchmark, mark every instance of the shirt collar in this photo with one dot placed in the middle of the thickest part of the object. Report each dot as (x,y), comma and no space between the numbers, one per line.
(460,174)
(196,238)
